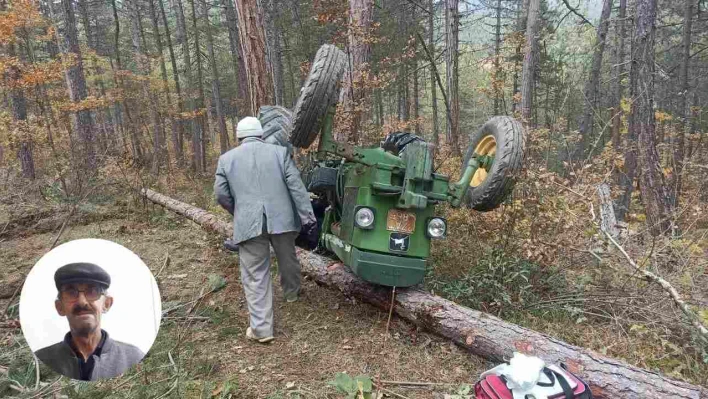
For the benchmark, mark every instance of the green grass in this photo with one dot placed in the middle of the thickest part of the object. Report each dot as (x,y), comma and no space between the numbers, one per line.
(498,283)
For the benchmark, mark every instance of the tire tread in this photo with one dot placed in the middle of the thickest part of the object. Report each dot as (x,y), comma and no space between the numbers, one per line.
(321,90)
(508,162)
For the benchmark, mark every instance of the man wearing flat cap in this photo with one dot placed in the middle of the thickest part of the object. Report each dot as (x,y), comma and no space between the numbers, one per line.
(259,184)
(87,352)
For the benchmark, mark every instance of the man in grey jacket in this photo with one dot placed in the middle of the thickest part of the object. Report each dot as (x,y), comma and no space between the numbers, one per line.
(87,352)
(259,184)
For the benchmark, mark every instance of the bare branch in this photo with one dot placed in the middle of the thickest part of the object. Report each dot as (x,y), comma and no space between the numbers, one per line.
(695,321)
(575,11)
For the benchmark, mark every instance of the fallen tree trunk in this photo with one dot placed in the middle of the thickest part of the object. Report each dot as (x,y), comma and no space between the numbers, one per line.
(483,334)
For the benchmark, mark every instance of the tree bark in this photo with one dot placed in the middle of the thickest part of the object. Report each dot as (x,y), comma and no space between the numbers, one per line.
(496,85)
(618,75)
(617,89)
(482,334)
(121,108)
(77,88)
(288,50)
(433,88)
(415,103)
(196,161)
(250,25)
(358,56)
(223,134)
(684,105)
(592,85)
(401,92)
(143,62)
(655,194)
(274,49)
(522,17)
(177,142)
(94,38)
(203,132)
(237,57)
(19,116)
(608,221)
(163,71)
(530,59)
(452,31)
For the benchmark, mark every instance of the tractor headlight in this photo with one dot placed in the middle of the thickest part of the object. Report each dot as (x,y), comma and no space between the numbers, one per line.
(437,228)
(364,218)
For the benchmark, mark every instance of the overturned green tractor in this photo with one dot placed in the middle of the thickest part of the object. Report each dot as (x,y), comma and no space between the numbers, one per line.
(376,206)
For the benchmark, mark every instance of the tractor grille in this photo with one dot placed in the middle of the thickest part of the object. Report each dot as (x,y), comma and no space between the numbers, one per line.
(348,205)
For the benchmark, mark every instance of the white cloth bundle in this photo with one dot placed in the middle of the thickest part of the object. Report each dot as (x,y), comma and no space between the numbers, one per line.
(523,374)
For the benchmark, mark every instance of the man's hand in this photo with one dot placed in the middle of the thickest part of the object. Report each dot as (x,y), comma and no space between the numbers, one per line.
(310,229)
(308,237)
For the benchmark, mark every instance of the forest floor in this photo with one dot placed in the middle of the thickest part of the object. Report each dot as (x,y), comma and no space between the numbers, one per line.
(205,353)
(516,263)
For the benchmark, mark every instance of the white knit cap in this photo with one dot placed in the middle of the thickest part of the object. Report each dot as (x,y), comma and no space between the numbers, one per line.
(249,127)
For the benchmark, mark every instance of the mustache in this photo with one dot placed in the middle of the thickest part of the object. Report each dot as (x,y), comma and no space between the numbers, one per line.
(78,308)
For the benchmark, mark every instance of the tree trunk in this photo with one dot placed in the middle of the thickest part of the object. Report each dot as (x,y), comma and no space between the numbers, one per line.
(608,221)
(94,38)
(401,92)
(196,162)
(143,62)
(221,119)
(78,90)
(482,334)
(452,31)
(618,76)
(655,194)
(203,132)
(496,85)
(84,13)
(414,62)
(353,94)
(684,105)
(304,32)
(592,85)
(522,17)
(252,37)
(19,116)
(177,142)
(274,48)
(163,71)
(433,87)
(530,58)
(47,9)
(237,57)
(121,108)
(693,124)
(293,93)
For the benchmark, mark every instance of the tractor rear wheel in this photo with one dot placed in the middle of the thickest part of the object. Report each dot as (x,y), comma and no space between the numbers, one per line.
(277,122)
(321,90)
(502,139)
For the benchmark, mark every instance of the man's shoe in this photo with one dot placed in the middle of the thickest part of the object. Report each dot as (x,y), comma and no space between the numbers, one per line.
(294,296)
(252,337)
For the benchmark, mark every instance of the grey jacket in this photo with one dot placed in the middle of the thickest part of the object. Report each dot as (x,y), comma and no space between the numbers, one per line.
(116,357)
(256,179)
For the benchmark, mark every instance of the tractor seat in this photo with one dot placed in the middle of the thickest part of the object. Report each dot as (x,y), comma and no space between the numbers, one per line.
(396,142)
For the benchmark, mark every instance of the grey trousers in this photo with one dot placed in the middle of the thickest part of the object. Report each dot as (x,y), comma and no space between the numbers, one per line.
(254,263)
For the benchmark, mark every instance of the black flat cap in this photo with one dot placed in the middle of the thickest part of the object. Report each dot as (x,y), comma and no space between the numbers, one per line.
(81,272)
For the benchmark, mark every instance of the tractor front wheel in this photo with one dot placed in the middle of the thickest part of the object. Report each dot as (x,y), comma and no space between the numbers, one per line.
(321,90)
(499,145)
